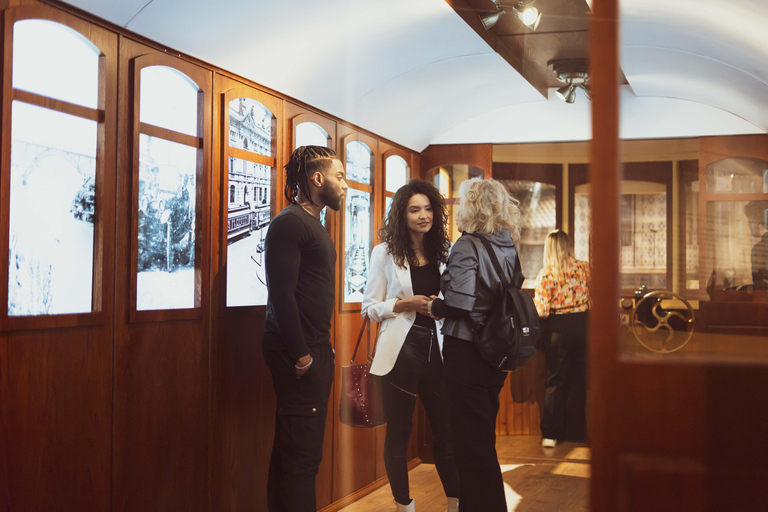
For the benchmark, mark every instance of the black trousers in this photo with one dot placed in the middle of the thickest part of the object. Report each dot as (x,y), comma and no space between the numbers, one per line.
(418,370)
(473,388)
(297,449)
(565,396)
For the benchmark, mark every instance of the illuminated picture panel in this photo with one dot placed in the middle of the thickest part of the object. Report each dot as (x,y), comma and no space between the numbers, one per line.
(166,217)
(249,203)
(357,236)
(52,212)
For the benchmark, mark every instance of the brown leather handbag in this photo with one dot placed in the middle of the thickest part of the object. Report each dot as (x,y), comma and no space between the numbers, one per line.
(361,404)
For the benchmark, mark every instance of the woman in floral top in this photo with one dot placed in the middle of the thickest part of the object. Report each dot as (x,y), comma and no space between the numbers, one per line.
(562,299)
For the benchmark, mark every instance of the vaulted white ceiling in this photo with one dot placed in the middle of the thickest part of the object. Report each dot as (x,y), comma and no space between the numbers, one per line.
(414,72)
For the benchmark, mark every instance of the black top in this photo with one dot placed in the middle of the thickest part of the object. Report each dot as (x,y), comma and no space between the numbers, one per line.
(425,281)
(300,259)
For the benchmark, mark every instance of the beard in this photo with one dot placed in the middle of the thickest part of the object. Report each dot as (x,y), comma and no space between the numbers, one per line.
(330,198)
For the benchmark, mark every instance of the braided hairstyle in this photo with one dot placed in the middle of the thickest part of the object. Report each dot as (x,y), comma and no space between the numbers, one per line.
(304,162)
(395,231)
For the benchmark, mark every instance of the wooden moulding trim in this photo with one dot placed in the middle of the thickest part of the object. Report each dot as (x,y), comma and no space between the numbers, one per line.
(712,197)
(65,107)
(310,117)
(250,156)
(103,237)
(372,144)
(27,323)
(364,491)
(171,135)
(164,315)
(202,78)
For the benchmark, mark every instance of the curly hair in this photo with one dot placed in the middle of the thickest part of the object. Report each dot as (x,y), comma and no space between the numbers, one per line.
(304,162)
(486,207)
(395,231)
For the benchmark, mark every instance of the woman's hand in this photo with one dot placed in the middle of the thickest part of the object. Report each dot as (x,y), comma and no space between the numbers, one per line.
(417,303)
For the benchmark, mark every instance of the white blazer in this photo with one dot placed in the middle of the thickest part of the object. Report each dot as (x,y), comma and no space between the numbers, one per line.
(387,282)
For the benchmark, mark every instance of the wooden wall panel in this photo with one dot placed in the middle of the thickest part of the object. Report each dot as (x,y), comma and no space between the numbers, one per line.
(56,382)
(160,433)
(479,155)
(55,420)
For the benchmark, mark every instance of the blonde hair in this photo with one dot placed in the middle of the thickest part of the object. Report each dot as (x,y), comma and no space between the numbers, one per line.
(558,251)
(486,207)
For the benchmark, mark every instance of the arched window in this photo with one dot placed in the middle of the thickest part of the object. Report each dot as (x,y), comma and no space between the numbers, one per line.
(168,170)
(395,176)
(54,171)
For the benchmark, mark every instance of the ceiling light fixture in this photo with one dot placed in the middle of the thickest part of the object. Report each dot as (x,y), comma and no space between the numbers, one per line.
(575,74)
(530,16)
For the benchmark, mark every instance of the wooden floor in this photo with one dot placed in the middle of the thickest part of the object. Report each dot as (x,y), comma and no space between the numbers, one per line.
(544,480)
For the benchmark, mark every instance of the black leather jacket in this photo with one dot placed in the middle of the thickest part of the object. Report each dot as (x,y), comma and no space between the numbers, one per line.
(470,282)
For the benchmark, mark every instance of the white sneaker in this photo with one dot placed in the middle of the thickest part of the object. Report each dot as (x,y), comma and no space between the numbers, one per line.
(548,443)
(411,507)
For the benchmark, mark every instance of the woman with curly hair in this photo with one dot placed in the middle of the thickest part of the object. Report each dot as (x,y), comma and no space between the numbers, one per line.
(404,276)
(471,287)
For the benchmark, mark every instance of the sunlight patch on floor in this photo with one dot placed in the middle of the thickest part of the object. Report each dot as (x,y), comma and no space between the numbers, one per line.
(572,469)
(582,453)
(513,499)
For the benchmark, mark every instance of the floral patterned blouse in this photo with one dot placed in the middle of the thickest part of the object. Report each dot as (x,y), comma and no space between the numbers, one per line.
(563,292)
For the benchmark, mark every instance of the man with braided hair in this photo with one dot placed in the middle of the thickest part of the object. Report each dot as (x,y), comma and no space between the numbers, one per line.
(300,260)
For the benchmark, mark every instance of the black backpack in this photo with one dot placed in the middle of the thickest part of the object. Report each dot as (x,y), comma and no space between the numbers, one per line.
(508,338)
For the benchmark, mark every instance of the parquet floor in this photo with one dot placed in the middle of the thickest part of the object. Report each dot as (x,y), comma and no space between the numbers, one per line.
(536,479)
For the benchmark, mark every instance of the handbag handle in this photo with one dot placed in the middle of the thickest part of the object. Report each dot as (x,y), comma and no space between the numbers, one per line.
(366,323)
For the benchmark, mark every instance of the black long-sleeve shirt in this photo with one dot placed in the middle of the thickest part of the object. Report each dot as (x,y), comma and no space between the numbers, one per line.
(300,260)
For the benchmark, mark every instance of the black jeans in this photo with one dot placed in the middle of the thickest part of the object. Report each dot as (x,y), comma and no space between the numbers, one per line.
(473,388)
(565,395)
(297,449)
(418,370)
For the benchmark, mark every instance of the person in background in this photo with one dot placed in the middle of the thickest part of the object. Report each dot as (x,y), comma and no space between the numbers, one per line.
(470,287)
(300,259)
(562,301)
(757,216)
(404,275)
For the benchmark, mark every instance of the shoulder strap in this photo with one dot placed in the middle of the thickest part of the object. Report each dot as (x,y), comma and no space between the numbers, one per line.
(517,277)
(370,353)
(366,322)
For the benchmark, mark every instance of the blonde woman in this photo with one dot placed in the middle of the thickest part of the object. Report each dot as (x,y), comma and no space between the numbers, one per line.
(562,299)
(470,287)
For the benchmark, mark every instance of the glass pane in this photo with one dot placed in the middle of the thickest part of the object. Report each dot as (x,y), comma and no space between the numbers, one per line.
(55,61)
(250,126)
(357,244)
(730,250)
(690,224)
(53,169)
(168,99)
(248,220)
(311,134)
(643,233)
(166,237)
(387,205)
(358,162)
(448,179)
(582,222)
(396,173)
(737,176)
(538,212)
